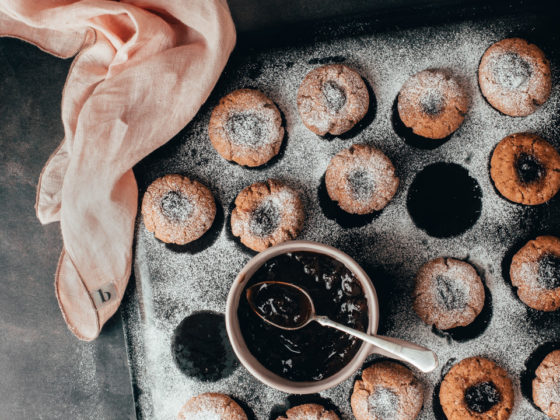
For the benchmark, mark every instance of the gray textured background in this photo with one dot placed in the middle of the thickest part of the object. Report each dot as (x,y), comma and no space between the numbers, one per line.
(45,372)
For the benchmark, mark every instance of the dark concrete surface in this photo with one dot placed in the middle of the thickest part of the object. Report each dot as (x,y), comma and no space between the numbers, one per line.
(46,373)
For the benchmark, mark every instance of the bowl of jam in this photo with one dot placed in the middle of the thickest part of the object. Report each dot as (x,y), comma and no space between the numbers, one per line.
(312,358)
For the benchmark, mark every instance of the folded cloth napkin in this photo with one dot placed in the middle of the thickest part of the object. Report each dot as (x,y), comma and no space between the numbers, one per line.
(143,69)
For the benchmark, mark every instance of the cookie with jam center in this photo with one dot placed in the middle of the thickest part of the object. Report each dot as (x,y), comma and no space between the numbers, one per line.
(178,210)
(433,103)
(535,271)
(332,99)
(387,390)
(514,76)
(246,127)
(309,412)
(546,385)
(525,169)
(266,214)
(211,406)
(361,179)
(476,389)
(448,293)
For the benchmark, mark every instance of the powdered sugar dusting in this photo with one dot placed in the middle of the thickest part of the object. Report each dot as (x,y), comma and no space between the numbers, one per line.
(251,129)
(383,404)
(390,248)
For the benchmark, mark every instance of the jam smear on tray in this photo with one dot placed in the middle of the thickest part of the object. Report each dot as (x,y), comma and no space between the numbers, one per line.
(313,352)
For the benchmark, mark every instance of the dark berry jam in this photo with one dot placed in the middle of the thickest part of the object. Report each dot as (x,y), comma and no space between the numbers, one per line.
(549,272)
(280,303)
(482,397)
(529,169)
(313,352)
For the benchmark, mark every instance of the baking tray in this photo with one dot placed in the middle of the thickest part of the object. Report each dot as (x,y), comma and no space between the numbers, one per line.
(172,283)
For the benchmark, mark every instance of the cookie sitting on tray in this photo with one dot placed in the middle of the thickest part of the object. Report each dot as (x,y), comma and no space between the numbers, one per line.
(476,389)
(178,210)
(546,385)
(246,127)
(332,99)
(535,271)
(211,406)
(309,412)
(448,293)
(361,179)
(387,390)
(433,103)
(266,214)
(525,169)
(514,76)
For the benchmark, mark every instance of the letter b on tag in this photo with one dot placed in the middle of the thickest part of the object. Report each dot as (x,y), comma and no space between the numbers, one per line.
(105,294)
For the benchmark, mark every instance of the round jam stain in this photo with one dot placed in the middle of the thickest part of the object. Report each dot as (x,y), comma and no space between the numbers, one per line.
(313,352)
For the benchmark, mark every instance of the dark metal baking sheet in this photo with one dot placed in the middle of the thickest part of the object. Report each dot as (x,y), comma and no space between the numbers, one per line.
(172,283)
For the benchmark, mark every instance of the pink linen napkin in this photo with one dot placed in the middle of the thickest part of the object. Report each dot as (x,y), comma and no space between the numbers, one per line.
(143,69)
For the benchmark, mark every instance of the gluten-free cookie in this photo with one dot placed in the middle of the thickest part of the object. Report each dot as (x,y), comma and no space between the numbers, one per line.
(266,214)
(433,103)
(535,271)
(448,293)
(361,179)
(332,99)
(387,390)
(246,127)
(514,76)
(178,210)
(476,389)
(211,406)
(525,169)
(309,412)
(546,385)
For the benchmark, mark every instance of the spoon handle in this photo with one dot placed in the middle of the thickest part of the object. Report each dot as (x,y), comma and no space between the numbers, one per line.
(420,357)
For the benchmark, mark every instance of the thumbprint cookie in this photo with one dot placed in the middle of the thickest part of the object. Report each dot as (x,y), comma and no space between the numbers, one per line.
(514,76)
(266,214)
(211,406)
(535,271)
(433,103)
(246,127)
(525,169)
(387,390)
(361,179)
(332,99)
(448,293)
(476,389)
(309,412)
(178,210)
(546,385)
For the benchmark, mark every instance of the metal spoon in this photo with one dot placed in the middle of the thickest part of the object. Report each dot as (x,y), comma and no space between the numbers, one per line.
(300,311)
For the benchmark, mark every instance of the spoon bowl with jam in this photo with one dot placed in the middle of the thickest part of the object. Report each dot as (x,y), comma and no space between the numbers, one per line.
(302,317)
(289,307)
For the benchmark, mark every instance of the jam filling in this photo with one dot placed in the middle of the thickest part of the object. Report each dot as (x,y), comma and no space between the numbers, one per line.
(265,218)
(482,397)
(313,352)
(280,304)
(362,184)
(529,169)
(175,206)
(334,96)
(246,129)
(450,294)
(549,272)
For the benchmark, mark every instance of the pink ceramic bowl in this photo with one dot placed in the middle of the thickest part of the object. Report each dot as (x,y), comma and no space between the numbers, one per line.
(253,365)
